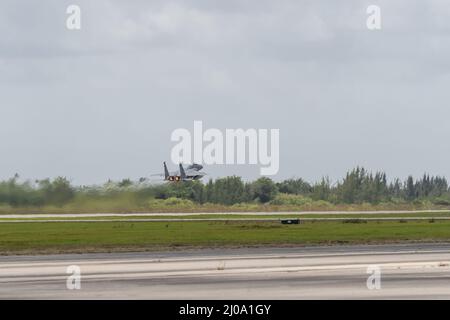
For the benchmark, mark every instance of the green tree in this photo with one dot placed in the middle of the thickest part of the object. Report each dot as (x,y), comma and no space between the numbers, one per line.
(58,192)
(264,189)
(410,189)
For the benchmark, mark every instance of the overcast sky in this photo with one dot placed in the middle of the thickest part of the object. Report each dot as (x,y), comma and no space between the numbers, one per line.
(102,102)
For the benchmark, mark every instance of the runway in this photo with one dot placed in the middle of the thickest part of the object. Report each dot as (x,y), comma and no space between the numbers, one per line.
(181,214)
(409,271)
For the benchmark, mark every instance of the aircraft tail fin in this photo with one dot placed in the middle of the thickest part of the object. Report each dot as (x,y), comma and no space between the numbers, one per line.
(182,172)
(166,172)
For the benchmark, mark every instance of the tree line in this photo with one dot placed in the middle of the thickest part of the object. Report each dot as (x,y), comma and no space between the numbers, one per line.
(358,186)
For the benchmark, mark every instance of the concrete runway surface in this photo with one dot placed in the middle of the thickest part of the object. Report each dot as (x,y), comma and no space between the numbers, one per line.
(181,214)
(410,271)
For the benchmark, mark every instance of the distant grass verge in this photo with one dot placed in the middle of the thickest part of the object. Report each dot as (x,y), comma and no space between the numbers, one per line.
(118,205)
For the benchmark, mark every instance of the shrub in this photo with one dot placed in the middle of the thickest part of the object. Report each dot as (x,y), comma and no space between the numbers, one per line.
(172,201)
(291,200)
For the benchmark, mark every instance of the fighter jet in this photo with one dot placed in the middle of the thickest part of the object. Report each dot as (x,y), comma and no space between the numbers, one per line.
(192,172)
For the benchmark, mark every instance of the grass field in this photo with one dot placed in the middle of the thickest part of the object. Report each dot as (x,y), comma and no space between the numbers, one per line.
(26,238)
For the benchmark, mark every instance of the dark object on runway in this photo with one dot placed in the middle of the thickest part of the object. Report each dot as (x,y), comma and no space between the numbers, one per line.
(290,221)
